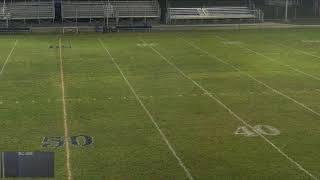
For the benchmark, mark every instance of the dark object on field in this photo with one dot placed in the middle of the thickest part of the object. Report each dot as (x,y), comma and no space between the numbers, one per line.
(145,27)
(27,164)
(100,28)
(14,30)
(62,46)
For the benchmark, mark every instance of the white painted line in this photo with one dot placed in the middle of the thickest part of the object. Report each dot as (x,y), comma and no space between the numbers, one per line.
(253,78)
(65,119)
(164,138)
(235,115)
(296,49)
(310,41)
(8,57)
(274,60)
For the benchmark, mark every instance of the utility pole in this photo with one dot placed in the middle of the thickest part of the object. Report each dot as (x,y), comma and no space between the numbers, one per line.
(286,11)
(109,8)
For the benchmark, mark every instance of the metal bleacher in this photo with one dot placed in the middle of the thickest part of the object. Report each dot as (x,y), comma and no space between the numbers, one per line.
(186,13)
(27,10)
(219,12)
(283,2)
(110,9)
(230,12)
(96,9)
(126,9)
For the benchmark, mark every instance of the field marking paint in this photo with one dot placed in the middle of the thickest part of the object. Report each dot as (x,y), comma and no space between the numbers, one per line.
(243,130)
(232,42)
(235,115)
(8,57)
(65,119)
(146,44)
(272,130)
(253,78)
(164,138)
(301,51)
(310,41)
(274,60)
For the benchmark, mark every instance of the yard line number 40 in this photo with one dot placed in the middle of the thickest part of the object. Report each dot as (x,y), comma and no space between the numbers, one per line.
(262,129)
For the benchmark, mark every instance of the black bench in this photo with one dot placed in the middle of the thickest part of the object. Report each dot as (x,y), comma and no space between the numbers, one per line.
(14,30)
(134,27)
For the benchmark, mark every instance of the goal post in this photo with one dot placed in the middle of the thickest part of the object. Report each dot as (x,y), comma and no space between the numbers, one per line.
(70,30)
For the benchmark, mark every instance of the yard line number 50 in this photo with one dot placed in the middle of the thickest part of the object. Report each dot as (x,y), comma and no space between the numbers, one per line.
(262,129)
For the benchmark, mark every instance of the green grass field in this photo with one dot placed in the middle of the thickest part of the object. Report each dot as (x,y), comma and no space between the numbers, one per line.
(223,104)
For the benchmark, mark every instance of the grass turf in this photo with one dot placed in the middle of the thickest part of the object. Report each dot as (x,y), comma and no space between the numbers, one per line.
(126,144)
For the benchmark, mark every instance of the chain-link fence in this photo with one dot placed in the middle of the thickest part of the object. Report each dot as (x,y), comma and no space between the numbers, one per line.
(298,11)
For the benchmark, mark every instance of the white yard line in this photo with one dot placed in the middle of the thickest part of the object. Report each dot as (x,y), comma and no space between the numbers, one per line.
(65,119)
(253,78)
(164,138)
(296,49)
(8,57)
(274,60)
(236,116)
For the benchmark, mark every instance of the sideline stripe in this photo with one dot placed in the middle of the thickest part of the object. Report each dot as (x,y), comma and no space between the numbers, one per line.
(65,119)
(235,115)
(8,57)
(164,138)
(253,78)
(296,49)
(274,60)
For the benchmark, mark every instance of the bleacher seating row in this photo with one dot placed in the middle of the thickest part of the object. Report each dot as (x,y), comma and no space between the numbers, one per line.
(86,10)
(110,9)
(226,12)
(27,10)
(45,9)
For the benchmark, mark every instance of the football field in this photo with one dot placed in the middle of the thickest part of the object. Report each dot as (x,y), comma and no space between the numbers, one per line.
(224,104)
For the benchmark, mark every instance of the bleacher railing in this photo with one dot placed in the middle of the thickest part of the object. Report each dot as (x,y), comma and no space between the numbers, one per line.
(283,2)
